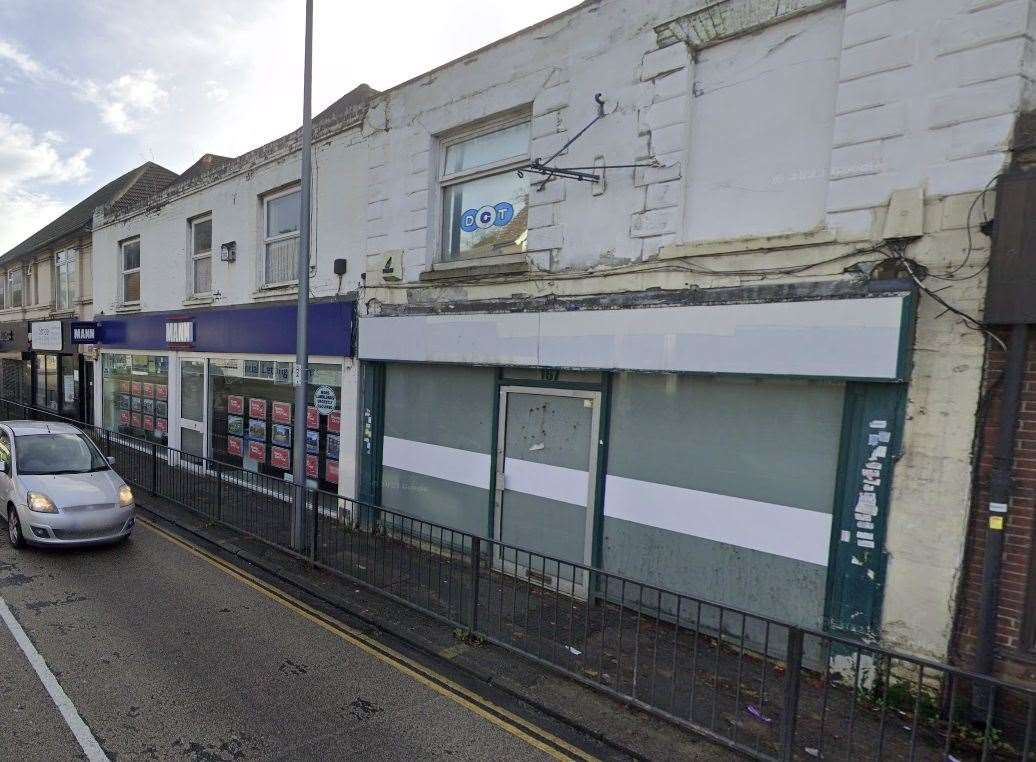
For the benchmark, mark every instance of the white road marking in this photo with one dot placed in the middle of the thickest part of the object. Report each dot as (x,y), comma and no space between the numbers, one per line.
(75,723)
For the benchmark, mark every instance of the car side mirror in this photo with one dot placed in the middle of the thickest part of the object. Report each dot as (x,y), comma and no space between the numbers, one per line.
(111,460)
(5,466)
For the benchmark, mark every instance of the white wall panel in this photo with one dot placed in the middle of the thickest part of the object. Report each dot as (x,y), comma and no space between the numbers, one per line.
(449,463)
(777,529)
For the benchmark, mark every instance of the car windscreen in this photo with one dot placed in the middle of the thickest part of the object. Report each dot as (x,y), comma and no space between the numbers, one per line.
(40,454)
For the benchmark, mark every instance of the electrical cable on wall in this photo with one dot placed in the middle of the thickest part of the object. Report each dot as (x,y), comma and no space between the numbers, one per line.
(971,243)
(897,254)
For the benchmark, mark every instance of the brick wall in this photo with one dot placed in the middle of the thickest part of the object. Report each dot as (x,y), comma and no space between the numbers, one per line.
(1011,659)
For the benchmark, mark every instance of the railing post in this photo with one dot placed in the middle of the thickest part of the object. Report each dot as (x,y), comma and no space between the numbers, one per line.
(107,443)
(313,530)
(792,675)
(476,569)
(154,469)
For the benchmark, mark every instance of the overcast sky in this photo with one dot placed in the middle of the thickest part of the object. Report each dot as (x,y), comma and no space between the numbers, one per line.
(89,90)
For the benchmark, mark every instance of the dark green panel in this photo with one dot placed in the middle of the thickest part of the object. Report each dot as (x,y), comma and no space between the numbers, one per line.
(448,405)
(446,503)
(871,438)
(372,409)
(763,583)
(775,441)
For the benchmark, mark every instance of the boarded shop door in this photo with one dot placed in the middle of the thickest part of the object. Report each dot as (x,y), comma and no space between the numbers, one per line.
(545,483)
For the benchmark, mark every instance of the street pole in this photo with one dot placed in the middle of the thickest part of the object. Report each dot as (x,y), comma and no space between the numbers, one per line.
(300,375)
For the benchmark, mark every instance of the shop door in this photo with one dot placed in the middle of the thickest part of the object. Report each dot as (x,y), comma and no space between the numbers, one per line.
(192,407)
(546,484)
(46,381)
(68,367)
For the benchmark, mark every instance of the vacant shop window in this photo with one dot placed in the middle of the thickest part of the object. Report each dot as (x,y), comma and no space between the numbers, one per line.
(281,215)
(200,242)
(15,287)
(129,262)
(484,202)
(65,280)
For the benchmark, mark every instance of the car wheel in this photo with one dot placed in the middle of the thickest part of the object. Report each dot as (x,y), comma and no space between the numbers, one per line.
(14,528)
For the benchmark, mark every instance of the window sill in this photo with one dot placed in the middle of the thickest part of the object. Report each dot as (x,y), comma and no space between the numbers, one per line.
(128,307)
(270,293)
(60,314)
(197,301)
(506,264)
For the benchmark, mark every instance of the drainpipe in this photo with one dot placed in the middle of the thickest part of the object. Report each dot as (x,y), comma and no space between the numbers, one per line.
(999,497)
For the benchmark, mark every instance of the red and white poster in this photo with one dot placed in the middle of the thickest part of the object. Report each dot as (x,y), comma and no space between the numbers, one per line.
(331,471)
(234,446)
(124,387)
(235,404)
(280,458)
(135,421)
(312,418)
(312,466)
(124,417)
(161,391)
(148,390)
(256,408)
(334,423)
(257,451)
(135,387)
(149,423)
(161,424)
(282,412)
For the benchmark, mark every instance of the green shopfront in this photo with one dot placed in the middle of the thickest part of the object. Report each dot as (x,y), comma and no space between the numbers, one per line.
(735,452)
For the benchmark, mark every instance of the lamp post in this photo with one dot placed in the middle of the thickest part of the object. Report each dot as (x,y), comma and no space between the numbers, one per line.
(300,374)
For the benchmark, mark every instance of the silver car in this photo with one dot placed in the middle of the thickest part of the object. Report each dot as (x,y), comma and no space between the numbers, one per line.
(58,488)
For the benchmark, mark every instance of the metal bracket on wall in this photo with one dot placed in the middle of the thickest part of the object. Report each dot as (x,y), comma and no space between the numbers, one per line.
(540,166)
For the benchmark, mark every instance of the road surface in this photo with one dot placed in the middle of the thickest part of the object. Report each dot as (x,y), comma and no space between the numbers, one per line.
(154,651)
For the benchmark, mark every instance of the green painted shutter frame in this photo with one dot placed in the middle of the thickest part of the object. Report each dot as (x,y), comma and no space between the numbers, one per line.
(372,416)
(871,439)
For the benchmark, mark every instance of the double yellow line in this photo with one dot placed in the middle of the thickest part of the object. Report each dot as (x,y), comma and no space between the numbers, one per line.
(512,723)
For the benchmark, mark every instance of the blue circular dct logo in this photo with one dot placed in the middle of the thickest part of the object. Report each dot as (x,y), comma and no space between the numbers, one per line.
(487,217)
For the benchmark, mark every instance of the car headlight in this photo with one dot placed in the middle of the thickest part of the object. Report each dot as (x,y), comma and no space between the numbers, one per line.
(40,503)
(125,496)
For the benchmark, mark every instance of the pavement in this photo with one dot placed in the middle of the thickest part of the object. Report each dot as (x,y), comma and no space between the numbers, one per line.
(166,654)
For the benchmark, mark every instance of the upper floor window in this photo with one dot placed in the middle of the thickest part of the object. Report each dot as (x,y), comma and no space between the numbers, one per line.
(200,259)
(66,281)
(15,287)
(281,215)
(129,267)
(484,202)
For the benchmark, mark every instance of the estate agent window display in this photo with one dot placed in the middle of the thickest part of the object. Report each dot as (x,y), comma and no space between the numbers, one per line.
(135,395)
(253,412)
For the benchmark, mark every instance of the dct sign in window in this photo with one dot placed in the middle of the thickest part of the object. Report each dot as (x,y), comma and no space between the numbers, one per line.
(484,202)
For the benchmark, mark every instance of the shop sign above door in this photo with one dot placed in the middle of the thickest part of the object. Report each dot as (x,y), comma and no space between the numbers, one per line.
(179,333)
(46,336)
(84,332)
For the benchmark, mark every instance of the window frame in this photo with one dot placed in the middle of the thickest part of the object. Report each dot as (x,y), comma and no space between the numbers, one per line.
(266,240)
(9,292)
(71,258)
(193,256)
(445,180)
(123,272)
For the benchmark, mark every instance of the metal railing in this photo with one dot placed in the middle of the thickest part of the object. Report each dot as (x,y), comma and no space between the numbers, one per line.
(769,688)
